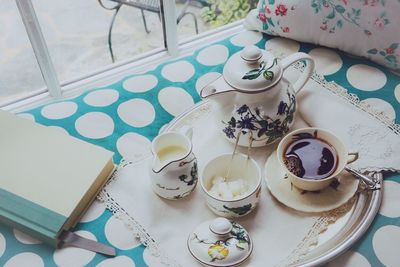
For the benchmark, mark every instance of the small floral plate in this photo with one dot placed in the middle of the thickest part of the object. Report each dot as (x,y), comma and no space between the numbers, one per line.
(335,195)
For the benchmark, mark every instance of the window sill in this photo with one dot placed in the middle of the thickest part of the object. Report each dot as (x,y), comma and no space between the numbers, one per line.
(117,71)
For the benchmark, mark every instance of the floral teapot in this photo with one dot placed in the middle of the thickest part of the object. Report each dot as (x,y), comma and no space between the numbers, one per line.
(265,102)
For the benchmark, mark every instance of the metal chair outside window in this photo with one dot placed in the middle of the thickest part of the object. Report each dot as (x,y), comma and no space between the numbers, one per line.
(143,5)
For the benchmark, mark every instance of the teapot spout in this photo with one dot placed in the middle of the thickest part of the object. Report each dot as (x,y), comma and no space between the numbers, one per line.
(216,87)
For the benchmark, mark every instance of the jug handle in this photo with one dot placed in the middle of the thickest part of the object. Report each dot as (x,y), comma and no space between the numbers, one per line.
(187,131)
(306,74)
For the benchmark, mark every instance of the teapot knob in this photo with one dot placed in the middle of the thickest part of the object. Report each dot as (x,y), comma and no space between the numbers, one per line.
(251,53)
(221,226)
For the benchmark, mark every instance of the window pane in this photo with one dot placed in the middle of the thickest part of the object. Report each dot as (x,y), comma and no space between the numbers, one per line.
(209,14)
(19,72)
(76,32)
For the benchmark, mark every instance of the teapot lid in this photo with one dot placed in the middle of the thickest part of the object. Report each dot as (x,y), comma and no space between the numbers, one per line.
(252,70)
(220,242)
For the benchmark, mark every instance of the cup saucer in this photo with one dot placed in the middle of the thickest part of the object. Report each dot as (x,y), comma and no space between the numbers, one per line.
(327,199)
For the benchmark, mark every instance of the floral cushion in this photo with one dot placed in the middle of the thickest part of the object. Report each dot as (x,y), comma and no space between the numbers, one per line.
(366,28)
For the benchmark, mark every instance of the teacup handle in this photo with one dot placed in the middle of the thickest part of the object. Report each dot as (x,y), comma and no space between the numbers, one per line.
(301,81)
(187,131)
(353,156)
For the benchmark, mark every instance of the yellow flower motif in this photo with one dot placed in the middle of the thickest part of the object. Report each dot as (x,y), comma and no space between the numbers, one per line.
(218,252)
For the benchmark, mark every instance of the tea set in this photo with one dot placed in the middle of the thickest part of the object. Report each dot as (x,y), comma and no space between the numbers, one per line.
(263,110)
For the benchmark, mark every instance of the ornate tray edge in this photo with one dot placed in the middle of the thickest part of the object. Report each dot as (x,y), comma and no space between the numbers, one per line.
(367,210)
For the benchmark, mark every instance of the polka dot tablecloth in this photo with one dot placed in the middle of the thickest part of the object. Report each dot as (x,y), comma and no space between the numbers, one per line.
(125,116)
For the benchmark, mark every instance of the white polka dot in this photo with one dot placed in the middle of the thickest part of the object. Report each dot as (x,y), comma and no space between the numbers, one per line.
(397,92)
(119,235)
(365,77)
(137,112)
(58,129)
(246,38)
(141,83)
(26,116)
(24,238)
(73,256)
(59,110)
(206,79)
(25,259)
(101,98)
(95,125)
(213,55)
(180,71)
(381,106)
(150,259)
(2,244)
(326,60)
(133,146)
(175,100)
(282,47)
(386,242)
(117,262)
(95,211)
(350,259)
(390,206)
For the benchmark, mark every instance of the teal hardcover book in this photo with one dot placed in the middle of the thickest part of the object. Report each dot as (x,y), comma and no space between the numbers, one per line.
(47,178)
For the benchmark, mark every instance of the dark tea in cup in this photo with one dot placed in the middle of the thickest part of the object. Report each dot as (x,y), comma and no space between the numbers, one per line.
(310,157)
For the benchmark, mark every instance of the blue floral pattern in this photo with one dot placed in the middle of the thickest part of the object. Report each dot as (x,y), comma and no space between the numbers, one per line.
(249,121)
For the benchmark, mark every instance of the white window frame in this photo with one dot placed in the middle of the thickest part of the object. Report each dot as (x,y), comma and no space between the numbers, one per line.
(113,72)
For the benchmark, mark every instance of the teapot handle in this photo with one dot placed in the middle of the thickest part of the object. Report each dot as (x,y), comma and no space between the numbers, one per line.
(301,81)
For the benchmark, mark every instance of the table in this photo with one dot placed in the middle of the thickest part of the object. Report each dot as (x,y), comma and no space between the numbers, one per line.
(126,115)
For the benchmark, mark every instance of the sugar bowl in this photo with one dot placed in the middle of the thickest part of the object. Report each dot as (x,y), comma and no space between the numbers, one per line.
(231,185)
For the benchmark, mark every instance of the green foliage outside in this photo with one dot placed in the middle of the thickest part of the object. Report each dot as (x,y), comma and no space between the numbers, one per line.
(221,12)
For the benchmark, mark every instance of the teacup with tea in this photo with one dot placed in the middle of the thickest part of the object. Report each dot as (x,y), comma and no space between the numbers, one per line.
(313,157)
